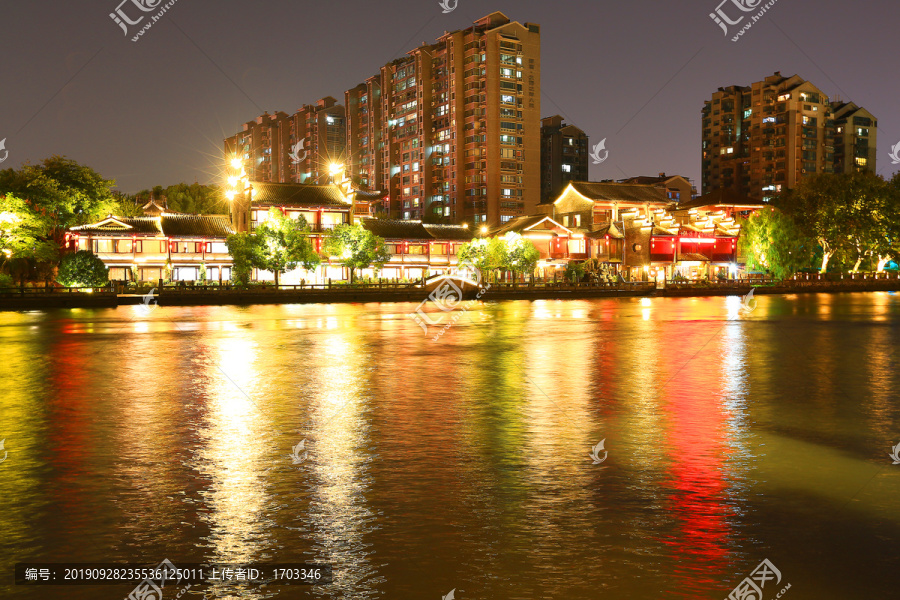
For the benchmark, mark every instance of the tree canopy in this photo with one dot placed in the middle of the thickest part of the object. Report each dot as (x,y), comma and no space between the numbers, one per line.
(850,216)
(284,244)
(82,269)
(60,193)
(357,248)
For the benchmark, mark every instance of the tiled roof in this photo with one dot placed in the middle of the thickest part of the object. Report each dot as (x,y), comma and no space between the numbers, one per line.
(520,224)
(366,195)
(132,225)
(606,229)
(176,225)
(620,192)
(196,225)
(298,195)
(392,229)
(719,197)
(688,256)
(449,232)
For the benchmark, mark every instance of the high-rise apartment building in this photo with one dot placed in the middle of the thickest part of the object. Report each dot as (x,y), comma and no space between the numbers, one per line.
(364,134)
(564,156)
(762,139)
(855,138)
(292,149)
(452,130)
(259,146)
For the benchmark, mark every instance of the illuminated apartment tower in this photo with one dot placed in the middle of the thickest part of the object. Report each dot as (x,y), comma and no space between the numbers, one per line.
(855,138)
(564,156)
(364,134)
(257,146)
(267,145)
(322,130)
(761,139)
(459,126)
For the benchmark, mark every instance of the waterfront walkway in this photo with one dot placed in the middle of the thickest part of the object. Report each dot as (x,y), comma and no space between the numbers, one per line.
(46,298)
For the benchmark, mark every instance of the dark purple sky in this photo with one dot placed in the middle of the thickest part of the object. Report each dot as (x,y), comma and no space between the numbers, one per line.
(636,73)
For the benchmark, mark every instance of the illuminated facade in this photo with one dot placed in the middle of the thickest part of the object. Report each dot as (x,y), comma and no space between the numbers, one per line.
(452,130)
(279,148)
(169,246)
(762,139)
(564,156)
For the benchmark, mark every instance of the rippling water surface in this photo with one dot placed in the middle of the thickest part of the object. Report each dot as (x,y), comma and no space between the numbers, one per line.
(464,463)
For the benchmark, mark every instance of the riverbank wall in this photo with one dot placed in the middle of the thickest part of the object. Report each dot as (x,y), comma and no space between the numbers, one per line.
(43,300)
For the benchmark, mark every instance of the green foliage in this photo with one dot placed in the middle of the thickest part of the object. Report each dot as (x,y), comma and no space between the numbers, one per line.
(21,231)
(6,281)
(772,241)
(357,248)
(82,269)
(841,212)
(485,254)
(511,252)
(60,193)
(519,254)
(196,199)
(243,248)
(278,245)
(283,245)
(574,272)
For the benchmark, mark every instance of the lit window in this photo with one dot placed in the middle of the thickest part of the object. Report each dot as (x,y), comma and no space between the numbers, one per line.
(567,168)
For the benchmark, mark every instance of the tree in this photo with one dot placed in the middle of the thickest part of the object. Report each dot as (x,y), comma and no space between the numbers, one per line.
(23,250)
(885,238)
(284,244)
(772,241)
(196,199)
(82,269)
(519,255)
(485,254)
(357,248)
(61,193)
(243,248)
(834,209)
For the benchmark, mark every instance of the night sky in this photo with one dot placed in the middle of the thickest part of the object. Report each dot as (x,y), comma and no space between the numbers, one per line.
(155,112)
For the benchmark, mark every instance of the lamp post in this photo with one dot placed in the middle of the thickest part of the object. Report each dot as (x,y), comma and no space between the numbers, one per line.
(240,189)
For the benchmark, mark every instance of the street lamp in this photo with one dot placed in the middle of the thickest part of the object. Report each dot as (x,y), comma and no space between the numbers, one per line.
(240,186)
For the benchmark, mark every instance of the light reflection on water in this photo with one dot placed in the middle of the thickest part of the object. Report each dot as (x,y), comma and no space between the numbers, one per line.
(733,436)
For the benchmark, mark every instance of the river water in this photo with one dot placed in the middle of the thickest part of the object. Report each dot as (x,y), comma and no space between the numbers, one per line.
(731,437)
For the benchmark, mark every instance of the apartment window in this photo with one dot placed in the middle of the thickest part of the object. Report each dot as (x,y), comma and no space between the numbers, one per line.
(862,132)
(507,99)
(567,168)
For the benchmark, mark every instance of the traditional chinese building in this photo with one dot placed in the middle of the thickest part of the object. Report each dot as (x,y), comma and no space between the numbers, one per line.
(167,246)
